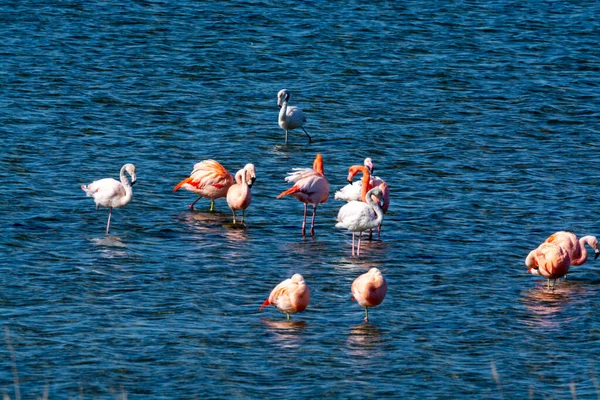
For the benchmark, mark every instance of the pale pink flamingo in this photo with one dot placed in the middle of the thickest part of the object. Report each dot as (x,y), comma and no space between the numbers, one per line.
(550,261)
(357,216)
(290,296)
(290,117)
(239,195)
(310,186)
(369,290)
(208,179)
(576,248)
(111,193)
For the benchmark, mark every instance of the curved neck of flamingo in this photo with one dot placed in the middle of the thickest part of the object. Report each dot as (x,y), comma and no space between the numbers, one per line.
(365,183)
(582,242)
(283,110)
(318,166)
(375,205)
(124,180)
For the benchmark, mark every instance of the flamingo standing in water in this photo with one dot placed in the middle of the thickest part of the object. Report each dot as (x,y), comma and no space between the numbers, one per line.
(290,117)
(290,296)
(208,179)
(310,186)
(369,290)
(239,195)
(576,248)
(357,216)
(550,261)
(111,193)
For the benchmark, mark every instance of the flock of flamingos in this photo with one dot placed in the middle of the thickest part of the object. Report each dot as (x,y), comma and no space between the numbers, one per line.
(367,202)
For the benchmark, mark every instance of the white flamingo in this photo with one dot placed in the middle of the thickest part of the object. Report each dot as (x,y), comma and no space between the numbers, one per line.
(357,216)
(111,193)
(290,117)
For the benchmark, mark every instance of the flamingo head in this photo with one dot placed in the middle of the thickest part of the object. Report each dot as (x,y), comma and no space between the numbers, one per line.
(369,164)
(250,174)
(283,96)
(130,169)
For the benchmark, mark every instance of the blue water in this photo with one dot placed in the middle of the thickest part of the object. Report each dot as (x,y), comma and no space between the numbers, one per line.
(483,117)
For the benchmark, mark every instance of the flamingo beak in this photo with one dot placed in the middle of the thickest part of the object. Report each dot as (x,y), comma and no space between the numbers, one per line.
(350,180)
(251,182)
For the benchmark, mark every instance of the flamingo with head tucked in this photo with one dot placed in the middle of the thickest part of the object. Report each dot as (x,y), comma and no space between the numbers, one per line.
(290,117)
(550,261)
(239,195)
(290,296)
(111,193)
(310,186)
(208,179)
(354,190)
(357,216)
(369,290)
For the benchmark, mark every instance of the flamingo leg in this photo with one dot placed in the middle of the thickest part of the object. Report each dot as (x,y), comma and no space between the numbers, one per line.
(358,249)
(212,206)
(352,244)
(312,224)
(309,138)
(108,224)
(287,316)
(370,234)
(379,232)
(192,205)
(233,211)
(304,219)
(286,136)
(366,314)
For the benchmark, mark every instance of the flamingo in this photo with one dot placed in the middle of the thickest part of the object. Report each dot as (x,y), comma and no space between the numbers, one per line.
(576,248)
(111,193)
(290,296)
(290,117)
(356,191)
(239,196)
(310,186)
(369,290)
(357,216)
(208,179)
(550,261)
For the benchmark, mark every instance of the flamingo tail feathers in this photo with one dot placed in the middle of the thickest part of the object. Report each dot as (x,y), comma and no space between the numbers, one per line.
(183,182)
(292,190)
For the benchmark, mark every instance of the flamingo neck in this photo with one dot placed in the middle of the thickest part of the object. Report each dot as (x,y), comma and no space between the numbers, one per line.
(283,112)
(124,181)
(584,253)
(365,183)
(318,165)
(376,207)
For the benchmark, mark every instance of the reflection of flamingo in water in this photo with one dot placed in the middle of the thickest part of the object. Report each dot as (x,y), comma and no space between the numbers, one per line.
(310,186)
(290,117)
(290,296)
(208,179)
(357,216)
(239,195)
(111,193)
(550,261)
(369,290)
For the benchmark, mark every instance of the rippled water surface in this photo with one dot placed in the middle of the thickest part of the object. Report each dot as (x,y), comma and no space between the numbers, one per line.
(482,117)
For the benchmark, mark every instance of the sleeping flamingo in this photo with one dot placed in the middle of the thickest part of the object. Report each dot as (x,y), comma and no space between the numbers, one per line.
(208,179)
(310,186)
(369,290)
(290,296)
(290,117)
(111,193)
(550,261)
(576,248)
(239,196)
(357,216)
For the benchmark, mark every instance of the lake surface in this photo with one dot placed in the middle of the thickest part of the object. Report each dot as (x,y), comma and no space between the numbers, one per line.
(482,117)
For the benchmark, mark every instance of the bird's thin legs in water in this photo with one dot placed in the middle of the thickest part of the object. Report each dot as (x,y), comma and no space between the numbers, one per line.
(309,138)
(212,206)
(358,248)
(233,211)
(195,201)
(287,316)
(108,224)
(304,219)
(366,314)
(352,244)
(312,224)
(286,135)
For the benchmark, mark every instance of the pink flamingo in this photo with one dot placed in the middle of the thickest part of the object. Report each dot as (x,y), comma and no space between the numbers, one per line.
(576,248)
(208,179)
(290,117)
(357,216)
(239,196)
(310,186)
(550,261)
(290,296)
(111,193)
(369,290)
(354,190)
